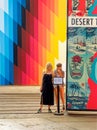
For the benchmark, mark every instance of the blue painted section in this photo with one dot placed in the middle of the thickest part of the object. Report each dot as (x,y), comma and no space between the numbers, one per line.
(10,19)
(92,9)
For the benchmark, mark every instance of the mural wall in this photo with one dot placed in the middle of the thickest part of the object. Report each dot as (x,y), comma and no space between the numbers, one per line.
(82,55)
(29,34)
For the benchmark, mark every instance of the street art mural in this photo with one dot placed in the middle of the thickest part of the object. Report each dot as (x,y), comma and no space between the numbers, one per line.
(82,55)
(30,31)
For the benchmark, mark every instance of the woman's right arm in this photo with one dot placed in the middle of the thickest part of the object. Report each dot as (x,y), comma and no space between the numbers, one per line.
(41,86)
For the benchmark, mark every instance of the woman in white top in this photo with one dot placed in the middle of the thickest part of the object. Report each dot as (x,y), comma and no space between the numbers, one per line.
(60,73)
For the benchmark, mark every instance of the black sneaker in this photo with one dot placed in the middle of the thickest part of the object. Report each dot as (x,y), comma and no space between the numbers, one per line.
(49,111)
(39,110)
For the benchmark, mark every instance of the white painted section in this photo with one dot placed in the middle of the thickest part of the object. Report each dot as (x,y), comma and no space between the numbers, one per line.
(3,9)
(1,21)
(62,56)
(4,5)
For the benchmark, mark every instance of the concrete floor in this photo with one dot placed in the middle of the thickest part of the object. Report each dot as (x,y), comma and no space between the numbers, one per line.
(44,121)
(47,121)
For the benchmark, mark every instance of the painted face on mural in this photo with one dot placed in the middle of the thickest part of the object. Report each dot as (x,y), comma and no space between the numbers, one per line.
(76,67)
(77,48)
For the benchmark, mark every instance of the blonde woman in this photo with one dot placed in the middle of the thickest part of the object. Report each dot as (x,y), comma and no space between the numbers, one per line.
(46,89)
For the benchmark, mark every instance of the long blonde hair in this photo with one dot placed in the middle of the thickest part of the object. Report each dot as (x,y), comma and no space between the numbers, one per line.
(48,66)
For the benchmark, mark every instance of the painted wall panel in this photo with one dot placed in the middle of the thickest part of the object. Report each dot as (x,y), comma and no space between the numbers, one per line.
(82,55)
(30,31)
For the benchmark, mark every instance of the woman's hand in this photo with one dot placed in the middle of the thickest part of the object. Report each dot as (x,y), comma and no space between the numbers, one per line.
(60,72)
(40,89)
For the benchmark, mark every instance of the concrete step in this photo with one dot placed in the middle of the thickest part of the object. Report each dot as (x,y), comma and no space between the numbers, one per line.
(24,112)
(26,108)
(21,103)
(20,96)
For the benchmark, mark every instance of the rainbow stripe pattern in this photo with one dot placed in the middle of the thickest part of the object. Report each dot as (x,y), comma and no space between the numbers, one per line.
(29,35)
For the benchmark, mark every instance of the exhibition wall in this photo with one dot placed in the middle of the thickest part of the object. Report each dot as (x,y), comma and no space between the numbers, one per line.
(31,33)
(82,55)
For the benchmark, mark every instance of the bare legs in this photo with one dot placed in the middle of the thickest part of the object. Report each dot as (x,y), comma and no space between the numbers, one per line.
(41,106)
(61,95)
(49,107)
(56,95)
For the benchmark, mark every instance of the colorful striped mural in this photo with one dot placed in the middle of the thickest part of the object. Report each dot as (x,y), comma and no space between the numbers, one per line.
(29,35)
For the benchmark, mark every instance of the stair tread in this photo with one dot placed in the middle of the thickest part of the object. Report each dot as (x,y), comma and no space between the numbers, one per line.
(21,103)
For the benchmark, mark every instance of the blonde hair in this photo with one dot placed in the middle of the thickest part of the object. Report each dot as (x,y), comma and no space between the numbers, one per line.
(48,65)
